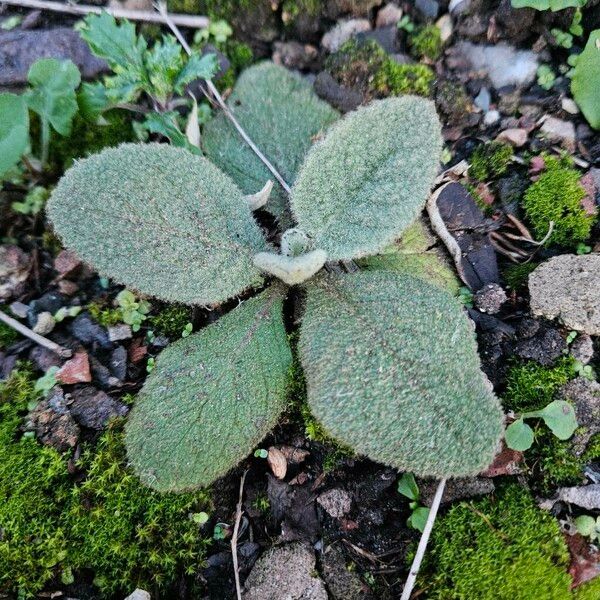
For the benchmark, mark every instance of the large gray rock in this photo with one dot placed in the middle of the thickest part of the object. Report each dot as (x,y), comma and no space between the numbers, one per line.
(585,397)
(285,573)
(586,496)
(567,287)
(20,49)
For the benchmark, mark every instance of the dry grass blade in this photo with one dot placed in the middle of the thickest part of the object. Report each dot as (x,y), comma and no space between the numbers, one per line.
(234,537)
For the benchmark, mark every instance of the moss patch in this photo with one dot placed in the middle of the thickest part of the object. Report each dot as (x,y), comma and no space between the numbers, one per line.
(499,548)
(426,42)
(556,196)
(530,386)
(171,321)
(516,275)
(490,161)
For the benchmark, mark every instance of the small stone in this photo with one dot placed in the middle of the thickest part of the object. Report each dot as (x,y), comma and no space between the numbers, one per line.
(294,55)
(87,331)
(566,287)
(139,594)
(585,496)
(19,310)
(93,408)
(67,287)
(429,8)
(582,349)
(503,64)
(390,14)
(483,99)
(75,370)
(490,298)
(119,332)
(569,105)
(336,502)
(457,7)
(15,266)
(544,346)
(45,323)
(491,118)
(277,462)
(342,583)
(342,32)
(444,24)
(286,571)
(557,130)
(43,358)
(293,455)
(118,363)
(516,137)
(341,97)
(66,262)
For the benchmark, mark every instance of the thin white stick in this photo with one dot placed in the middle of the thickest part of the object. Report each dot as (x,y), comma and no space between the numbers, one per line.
(162,9)
(193,21)
(416,565)
(36,337)
(234,538)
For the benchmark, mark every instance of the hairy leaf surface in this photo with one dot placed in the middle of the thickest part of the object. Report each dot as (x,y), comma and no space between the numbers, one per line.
(281,114)
(367,181)
(392,370)
(14,130)
(160,220)
(211,398)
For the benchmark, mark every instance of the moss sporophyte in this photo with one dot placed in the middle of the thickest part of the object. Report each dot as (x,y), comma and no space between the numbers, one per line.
(374,380)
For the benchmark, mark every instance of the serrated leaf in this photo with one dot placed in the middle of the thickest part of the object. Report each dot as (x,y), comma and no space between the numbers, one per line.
(392,370)
(92,100)
(407,486)
(52,94)
(560,418)
(282,115)
(418,518)
(585,83)
(211,398)
(198,66)
(519,436)
(368,180)
(166,124)
(14,130)
(159,220)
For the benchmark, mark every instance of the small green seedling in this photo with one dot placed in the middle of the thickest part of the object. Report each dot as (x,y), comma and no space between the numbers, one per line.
(559,416)
(67,312)
(406,24)
(33,202)
(46,382)
(583,248)
(187,330)
(133,311)
(221,531)
(586,371)
(588,527)
(200,517)
(261,453)
(217,31)
(545,77)
(407,486)
(150,364)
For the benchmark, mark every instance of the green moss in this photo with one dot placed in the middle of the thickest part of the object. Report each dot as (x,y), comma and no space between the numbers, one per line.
(592,451)
(588,591)
(107,317)
(490,161)
(240,55)
(502,547)
(34,484)
(130,535)
(293,8)
(556,196)
(516,275)
(426,42)
(8,336)
(366,66)
(531,386)
(171,321)
(88,138)
(188,7)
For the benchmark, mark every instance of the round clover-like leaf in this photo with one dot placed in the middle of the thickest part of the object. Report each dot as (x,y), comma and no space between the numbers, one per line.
(392,370)
(367,181)
(14,130)
(282,115)
(160,220)
(519,436)
(211,398)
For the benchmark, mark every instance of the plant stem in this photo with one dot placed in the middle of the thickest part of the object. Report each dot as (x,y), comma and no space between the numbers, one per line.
(162,9)
(416,565)
(44,141)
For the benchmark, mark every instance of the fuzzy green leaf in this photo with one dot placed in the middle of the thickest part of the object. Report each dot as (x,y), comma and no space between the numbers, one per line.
(367,181)
(519,436)
(281,114)
(14,130)
(211,398)
(160,220)
(586,80)
(52,94)
(392,370)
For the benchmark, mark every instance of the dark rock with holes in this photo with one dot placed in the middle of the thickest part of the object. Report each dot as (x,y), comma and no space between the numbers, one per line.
(92,408)
(585,397)
(539,342)
(20,49)
(582,349)
(339,96)
(490,298)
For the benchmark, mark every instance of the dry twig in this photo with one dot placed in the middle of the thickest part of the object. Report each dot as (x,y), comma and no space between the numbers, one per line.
(162,9)
(194,21)
(234,537)
(416,565)
(36,337)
